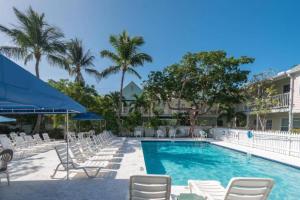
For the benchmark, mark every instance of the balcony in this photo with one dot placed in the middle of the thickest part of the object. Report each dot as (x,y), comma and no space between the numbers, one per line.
(281,100)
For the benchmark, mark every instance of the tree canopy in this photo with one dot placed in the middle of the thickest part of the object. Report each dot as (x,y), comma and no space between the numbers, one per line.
(202,79)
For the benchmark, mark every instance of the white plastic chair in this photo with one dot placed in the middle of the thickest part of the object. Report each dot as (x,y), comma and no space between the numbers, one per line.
(238,189)
(172,133)
(137,133)
(160,133)
(150,187)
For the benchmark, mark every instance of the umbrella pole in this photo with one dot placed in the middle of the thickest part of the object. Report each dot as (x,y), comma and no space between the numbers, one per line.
(67,144)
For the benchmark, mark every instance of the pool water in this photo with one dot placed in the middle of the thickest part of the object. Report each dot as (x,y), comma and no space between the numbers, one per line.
(205,161)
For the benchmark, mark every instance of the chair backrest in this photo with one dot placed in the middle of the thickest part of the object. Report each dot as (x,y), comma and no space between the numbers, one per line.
(37,137)
(46,137)
(172,131)
(78,155)
(6,143)
(29,139)
(62,154)
(150,187)
(249,188)
(13,135)
(5,157)
(3,135)
(22,134)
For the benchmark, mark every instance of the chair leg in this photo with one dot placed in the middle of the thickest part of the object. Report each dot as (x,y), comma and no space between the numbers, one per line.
(56,170)
(7,176)
(91,176)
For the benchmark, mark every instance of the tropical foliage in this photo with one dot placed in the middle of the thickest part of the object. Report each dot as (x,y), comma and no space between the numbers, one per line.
(34,38)
(126,57)
(76,60)
(260,92)
(88,96)
(200,83)
(202,79)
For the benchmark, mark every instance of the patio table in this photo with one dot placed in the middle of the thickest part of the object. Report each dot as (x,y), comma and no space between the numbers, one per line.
(190,196)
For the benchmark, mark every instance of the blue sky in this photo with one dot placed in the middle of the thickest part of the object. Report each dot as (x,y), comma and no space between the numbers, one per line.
(267,30)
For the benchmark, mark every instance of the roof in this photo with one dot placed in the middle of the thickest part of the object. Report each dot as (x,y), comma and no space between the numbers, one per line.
(284,74)
(130,90)
(22,92)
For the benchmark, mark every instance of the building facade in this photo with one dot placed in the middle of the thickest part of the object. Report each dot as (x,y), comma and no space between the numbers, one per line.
(285,114)
(132,89)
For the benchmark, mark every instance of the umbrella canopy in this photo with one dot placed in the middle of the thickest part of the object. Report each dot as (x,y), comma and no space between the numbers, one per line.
(88,116)
(6,119)
(22,92)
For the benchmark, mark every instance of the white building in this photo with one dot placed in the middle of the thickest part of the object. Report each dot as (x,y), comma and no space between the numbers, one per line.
(285,115)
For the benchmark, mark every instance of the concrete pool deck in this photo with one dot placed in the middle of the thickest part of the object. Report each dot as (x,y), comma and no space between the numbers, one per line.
(30,177)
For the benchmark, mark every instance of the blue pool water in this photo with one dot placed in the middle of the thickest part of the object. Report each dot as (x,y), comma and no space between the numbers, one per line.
(205,161)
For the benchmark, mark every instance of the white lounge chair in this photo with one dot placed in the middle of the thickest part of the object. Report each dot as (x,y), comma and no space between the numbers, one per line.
(149,187)
(7,144)
(237,189)
(83,156)
(172,133)
(61,151)
(137,133)
(160,133)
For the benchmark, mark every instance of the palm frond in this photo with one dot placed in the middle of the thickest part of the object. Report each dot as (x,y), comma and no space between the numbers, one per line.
(94,73)
(110,55)
(110,70)
(13,52)
(6,30)
(28,58)
(58,60)
(133,72)
(87,59)
(137,41)
(140,59)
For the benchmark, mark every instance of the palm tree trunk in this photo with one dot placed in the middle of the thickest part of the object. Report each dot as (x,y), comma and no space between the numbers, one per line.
(120,103)
(37,126)
(37,63)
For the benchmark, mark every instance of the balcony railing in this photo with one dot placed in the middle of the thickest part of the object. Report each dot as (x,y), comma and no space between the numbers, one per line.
(281,100)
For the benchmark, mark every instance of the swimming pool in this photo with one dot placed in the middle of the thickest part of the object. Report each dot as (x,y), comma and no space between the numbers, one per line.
(205,161)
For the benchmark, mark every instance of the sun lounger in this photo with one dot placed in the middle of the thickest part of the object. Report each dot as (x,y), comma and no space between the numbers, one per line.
(87,166)
(237,189)
(83,157)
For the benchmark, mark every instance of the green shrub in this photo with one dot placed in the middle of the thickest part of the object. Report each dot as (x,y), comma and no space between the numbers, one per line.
(56,133)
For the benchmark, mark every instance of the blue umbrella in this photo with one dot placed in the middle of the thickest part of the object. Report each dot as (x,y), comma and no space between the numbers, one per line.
(88,116)
(6,119)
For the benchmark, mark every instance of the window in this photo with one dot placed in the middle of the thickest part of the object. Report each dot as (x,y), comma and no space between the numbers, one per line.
(286,88)
(284,124)
(296,123)
(269,124)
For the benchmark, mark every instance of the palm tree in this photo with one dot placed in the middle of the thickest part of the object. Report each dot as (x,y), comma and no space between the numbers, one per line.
(114,98)
(77,59)
(140,103)
(126,58)
(33,38)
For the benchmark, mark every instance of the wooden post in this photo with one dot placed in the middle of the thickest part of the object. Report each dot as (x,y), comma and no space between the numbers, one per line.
(67,129)
(291,102)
